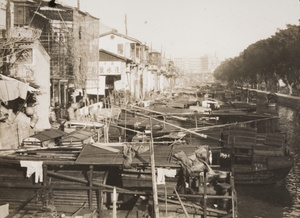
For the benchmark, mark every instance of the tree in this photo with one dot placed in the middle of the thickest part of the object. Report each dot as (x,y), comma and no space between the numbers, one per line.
(269,60)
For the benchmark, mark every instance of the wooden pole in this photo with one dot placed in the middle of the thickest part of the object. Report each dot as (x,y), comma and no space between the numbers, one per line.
(45,184)
(71,178)
(125,126)
(100,202)
(8,19)
(182,205)
(204,196)
(154,186)
(233,196)
(91,187)
(178,127)
(114,198)
(166,200)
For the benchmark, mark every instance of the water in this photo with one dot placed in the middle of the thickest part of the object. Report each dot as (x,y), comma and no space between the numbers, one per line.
(282,199)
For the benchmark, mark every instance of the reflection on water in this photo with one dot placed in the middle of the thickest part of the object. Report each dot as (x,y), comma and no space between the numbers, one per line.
(279,200)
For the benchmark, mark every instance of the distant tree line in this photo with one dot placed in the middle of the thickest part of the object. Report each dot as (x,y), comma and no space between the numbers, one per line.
(267,62)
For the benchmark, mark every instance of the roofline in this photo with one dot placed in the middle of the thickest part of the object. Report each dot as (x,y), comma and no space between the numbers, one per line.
(86,13)
(121,35)
(116,55)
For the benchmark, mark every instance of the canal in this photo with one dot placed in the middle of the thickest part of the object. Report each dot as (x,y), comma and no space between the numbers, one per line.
(282,199)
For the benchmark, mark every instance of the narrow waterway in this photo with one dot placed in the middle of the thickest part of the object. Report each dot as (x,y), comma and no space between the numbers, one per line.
(282,199)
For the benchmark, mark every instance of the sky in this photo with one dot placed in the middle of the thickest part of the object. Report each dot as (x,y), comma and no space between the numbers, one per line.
(193,28)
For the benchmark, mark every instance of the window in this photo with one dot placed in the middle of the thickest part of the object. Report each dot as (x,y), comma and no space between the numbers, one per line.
(120,49)
(80,65)
(79,32)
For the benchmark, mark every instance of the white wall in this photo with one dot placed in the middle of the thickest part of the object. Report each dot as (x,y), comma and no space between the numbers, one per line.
(110,43)
(42,78)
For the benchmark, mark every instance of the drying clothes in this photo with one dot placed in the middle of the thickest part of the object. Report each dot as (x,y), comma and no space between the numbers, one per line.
(33,167)
(162,173)
(10,90)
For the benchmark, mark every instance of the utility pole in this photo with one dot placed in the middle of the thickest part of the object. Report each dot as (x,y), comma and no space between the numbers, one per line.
(8,19)
(78,4)
(126,25)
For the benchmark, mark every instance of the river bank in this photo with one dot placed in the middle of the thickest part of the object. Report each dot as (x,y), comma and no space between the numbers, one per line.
(289,101)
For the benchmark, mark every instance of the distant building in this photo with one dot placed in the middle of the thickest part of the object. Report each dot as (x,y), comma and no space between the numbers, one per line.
(122,45)
(203,66)
(134,54)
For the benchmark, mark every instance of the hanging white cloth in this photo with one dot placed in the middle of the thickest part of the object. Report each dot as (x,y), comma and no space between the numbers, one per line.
(162,173)
(33,167)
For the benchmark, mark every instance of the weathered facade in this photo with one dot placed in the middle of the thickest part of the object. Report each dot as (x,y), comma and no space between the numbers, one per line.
(25,109)
(71,39)
(147,71)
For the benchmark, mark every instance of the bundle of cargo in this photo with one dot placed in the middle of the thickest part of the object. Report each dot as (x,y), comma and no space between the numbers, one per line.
(78,138)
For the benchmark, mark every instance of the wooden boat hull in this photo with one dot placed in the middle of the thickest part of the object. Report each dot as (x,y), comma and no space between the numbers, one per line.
(261,177)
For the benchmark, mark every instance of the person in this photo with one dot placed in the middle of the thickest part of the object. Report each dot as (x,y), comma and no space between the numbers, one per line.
(71,113)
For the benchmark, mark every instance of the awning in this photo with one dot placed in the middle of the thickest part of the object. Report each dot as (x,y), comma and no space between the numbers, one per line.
(11,89)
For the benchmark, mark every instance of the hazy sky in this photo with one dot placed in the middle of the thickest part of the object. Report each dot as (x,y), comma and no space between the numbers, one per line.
(192,28)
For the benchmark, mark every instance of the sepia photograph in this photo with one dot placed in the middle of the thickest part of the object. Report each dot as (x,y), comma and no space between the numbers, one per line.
(149,108)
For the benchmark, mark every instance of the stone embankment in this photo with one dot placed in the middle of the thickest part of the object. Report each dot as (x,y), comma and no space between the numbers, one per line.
(283,99)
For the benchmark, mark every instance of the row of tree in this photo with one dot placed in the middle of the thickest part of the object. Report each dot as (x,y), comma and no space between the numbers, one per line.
(268,61)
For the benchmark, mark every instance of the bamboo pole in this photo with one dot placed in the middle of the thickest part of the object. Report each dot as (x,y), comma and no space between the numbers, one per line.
(182,205)
(154,186)
(166,200)
(114,199)
(16,211)
(125,126)
(45,184)
(100,202)
(91,187)
(233,196)
(204,196)
(232,124)
(178,127)
(82,181)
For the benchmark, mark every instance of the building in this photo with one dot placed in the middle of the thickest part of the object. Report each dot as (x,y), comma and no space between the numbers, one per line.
(129,49)
(70,37)
(113,74)
(24,86)
(203,66)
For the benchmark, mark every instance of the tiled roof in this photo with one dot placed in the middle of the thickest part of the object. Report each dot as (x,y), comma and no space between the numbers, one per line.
(115,55)
(58,13)
(120,35)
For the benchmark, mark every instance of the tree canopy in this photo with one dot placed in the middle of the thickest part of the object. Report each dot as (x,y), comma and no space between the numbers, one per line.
(270,60)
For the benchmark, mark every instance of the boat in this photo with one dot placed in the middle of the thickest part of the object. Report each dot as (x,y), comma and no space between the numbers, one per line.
(243,106)
(108,178)
(212,103)
(255,158)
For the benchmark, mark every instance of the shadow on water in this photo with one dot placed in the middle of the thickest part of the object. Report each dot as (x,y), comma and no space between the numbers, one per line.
(263,201)
(282,199)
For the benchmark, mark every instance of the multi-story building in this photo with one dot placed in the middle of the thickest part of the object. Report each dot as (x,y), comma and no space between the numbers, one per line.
(70,37)
(204,66)
(126,63)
